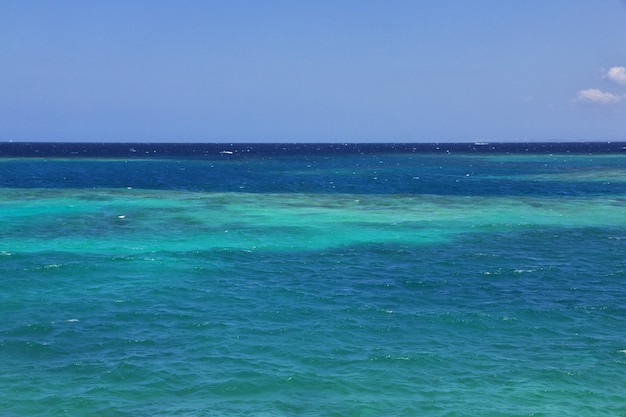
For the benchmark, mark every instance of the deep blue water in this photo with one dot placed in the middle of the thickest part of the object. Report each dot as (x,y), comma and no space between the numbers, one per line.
(495,169)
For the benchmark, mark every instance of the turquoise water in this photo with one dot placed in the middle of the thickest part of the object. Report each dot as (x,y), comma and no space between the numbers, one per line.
(321,285)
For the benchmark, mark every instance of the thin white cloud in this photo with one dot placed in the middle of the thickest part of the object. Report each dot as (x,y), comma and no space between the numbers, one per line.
(617,75)
(593,95)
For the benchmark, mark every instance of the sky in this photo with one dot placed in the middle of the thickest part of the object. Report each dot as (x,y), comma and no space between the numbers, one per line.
(313,71)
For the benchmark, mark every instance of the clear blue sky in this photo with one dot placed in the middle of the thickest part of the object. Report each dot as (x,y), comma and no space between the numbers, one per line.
(322,70)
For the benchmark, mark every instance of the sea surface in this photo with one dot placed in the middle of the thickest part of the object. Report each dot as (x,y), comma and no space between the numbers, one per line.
(313,280)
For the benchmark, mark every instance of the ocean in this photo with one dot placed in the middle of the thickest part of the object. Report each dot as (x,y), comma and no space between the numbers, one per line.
(313,279)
